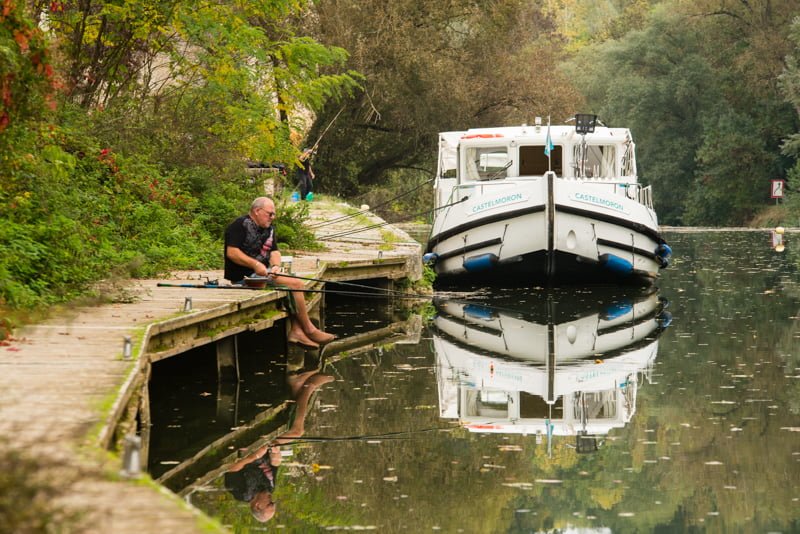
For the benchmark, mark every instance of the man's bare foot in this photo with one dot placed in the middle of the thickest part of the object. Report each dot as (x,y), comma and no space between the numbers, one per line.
(321,337)
(299,338)
(317,380)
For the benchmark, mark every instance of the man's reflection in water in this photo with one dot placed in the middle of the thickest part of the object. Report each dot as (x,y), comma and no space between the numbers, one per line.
(252,479)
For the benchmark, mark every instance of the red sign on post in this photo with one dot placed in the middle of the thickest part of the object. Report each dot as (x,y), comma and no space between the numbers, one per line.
(776,191)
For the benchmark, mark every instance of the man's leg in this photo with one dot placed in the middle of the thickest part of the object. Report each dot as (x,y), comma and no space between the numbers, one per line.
(302,330)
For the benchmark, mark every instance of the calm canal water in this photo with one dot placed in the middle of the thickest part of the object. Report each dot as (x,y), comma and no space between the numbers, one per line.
(675,409)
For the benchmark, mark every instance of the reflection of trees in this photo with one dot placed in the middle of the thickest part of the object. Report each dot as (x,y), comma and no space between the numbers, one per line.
(705,439)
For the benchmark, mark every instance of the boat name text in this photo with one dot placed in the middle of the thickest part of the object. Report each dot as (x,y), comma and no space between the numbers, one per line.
(496,202)
(599,201)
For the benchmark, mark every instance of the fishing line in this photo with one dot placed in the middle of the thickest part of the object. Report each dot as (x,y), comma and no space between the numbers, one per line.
(284,288)
(403,434)
(344,217)
(410,217)
(388,292)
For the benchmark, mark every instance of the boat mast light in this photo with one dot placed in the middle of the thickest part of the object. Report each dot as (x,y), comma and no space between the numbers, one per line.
(585,123)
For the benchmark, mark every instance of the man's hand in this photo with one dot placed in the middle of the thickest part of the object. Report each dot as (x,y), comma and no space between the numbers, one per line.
(260,269)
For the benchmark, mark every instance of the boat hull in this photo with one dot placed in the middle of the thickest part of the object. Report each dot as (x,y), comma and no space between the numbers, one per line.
(545,230)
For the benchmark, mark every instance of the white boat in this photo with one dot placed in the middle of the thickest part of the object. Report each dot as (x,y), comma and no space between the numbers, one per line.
(540,204)
(553,375)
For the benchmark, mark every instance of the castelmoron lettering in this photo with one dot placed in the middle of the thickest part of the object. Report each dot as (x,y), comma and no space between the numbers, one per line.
(499,201)
(599,201)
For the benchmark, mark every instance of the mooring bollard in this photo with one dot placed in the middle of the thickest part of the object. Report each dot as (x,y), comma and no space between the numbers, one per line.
(187,304)
(127,348)
(131,458)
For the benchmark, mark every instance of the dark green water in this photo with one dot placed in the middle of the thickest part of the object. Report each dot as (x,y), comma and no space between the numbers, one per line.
(574,409)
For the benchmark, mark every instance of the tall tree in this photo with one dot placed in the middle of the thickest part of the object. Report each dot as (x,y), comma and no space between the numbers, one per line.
(698,85)
(430,67)
(201,78)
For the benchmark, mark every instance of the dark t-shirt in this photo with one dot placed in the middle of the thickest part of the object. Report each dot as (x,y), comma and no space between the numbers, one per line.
(256,242)
(253,478)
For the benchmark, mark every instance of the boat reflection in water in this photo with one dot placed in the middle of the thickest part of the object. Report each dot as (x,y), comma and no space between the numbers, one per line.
(564,366)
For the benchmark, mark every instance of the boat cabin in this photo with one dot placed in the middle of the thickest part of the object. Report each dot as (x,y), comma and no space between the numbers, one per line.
(516,153)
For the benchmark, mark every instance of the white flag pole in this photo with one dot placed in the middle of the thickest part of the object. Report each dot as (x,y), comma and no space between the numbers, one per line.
(549,146)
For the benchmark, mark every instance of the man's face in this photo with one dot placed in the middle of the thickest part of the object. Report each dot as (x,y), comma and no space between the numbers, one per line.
(264,215)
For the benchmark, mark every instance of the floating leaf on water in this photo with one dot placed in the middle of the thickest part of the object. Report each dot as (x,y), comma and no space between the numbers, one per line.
(520,485)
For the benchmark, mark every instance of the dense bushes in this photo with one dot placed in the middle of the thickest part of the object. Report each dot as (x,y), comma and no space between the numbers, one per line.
(74,211)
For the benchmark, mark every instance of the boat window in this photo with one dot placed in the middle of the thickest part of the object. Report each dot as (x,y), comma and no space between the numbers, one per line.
(487,403)
(600,161)
(487,163)
(533,160)
(536,407)
(628,163)
(597,405)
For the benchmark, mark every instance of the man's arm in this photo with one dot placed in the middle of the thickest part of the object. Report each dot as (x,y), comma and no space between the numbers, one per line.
(275,261)
(239,465)
(240,258)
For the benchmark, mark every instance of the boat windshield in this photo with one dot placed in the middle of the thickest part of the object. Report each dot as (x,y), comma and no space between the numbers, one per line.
(481,403)
(487,163)
(595,405)
(599,161)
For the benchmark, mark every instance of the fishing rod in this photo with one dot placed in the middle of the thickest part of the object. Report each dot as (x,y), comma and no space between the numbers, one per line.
(403,434)
(284,288)
(387,292)
(378,225)
(316,145)
(356,214)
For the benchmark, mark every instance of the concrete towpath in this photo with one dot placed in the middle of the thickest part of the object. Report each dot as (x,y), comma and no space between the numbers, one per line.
(63,377)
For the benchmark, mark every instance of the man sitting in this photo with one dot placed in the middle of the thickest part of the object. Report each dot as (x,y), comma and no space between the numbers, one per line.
(251,247)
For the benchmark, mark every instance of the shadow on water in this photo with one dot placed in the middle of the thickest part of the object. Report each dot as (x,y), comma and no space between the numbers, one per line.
(518,410)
